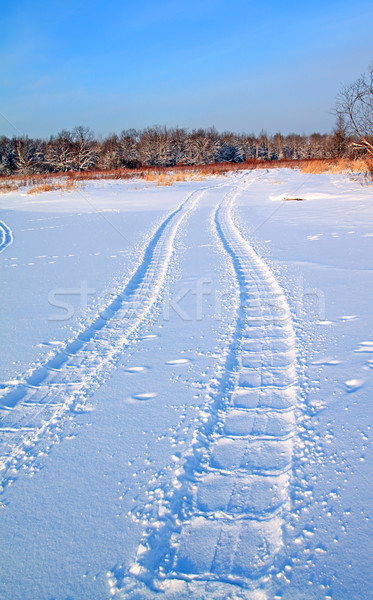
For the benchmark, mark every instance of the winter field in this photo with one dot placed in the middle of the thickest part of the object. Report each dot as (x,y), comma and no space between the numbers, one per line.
(185,390)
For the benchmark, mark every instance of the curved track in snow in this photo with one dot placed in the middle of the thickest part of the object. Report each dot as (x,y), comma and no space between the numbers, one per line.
(32,408)
(221,522)
(6,236)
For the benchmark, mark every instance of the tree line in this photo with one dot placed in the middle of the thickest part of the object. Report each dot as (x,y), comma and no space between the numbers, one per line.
(80,150)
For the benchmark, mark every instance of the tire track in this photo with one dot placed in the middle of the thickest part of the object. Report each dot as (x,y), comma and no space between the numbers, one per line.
(6,236)
(35,406)
(221,522)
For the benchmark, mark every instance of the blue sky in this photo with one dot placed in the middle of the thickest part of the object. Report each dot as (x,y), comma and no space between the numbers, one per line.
(236,65)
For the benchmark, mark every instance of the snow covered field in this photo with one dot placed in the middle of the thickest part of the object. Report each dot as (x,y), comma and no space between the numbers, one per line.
(185,390)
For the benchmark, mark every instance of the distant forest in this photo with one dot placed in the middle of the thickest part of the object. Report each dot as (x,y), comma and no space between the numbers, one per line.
(80,150)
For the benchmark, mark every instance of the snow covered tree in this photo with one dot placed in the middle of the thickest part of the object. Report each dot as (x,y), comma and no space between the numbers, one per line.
(178,146)
(28,157)
(60,152)
(85,155)
(129,152)
(155,147)
(109,156)
(230,149)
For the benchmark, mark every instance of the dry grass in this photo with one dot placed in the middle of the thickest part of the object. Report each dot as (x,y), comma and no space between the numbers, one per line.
(340,165)
(9,186)
(369,163)
(50,186)
(166,176)
(169,175)
(45,187)
(179,173)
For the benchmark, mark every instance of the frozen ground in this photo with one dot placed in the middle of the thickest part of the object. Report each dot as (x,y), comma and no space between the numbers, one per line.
(186,383)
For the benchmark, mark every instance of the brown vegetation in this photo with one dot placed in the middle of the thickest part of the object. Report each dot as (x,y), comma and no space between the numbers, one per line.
(9,186)
(50,186)
(340,165)
(166,176)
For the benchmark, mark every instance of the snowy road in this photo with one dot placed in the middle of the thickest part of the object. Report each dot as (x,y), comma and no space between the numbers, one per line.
(33,406)
(187,437)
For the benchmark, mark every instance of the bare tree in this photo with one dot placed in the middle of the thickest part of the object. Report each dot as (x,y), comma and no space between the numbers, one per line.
(84,148)
(28,157)
(60,155)
(339,141)
(110,155)
(355,107)
(129,148)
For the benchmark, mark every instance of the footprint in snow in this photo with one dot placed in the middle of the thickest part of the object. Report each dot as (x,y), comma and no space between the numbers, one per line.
(326,361)
(145,396)
(314,238)
(354,384)
(178,361)
(365,347)
(134,369)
